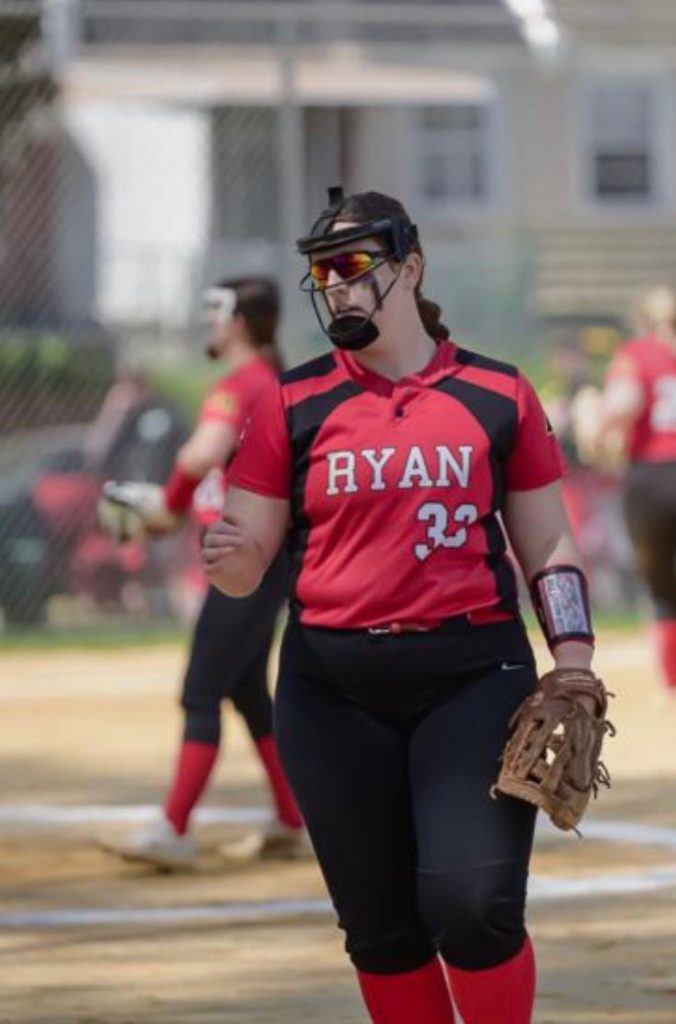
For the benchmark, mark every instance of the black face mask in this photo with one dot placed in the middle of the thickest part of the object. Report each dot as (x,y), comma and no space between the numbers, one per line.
(352,332)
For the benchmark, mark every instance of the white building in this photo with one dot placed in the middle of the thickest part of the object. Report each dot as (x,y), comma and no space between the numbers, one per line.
(202,144)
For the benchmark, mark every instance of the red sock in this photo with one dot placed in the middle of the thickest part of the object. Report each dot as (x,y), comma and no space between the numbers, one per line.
(416,997)
(285,803)
(195,764)
(504,993)
(665,634)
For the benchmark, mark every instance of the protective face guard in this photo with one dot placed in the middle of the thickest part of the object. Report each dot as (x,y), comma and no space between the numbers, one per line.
(398,234)
(219,303)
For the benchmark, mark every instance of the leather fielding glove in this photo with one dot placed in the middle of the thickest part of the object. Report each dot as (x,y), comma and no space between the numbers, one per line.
(553,756)
(132,510)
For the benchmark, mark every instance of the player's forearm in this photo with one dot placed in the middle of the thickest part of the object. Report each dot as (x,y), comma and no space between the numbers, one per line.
(233,560)
(209,446)
(547,550)
(236,581)
(195,462)
(572,654)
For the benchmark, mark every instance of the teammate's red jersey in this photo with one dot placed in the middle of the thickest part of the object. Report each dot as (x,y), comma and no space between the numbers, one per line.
(650,362)
(395,486)
(229,401)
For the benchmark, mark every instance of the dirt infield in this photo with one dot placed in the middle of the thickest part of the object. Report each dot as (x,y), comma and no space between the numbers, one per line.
(97,730)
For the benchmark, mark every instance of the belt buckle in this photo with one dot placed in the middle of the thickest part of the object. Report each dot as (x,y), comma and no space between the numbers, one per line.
(397,628)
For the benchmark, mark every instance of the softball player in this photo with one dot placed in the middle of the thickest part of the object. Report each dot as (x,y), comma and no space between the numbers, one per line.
(231,641)
(638,411)
(394,459)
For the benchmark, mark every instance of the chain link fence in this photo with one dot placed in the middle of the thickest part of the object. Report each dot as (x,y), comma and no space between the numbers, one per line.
(148,147)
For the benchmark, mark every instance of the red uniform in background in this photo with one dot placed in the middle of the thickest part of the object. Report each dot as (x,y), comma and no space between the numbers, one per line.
(650,362)
(231,640)
(230,401)
(650,485)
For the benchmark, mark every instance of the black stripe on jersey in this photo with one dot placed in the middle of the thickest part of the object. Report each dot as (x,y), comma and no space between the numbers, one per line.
(498,416)
(500,566)
(319,367)
(304,421)
(467,358)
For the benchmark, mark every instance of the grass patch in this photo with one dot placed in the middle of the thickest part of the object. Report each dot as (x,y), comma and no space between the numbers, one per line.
(187,384)
(92,638)
(116,636)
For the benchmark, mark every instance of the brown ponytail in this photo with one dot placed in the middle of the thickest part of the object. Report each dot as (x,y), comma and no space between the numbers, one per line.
(430,314)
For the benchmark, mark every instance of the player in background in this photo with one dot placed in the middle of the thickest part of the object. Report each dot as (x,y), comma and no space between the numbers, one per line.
(634,419)
(231,640)
(394,459)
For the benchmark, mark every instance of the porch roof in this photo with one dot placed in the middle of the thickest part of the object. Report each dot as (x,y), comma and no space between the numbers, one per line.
(220,76)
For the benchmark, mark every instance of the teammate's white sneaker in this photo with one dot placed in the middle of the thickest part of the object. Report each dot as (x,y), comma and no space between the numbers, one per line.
(158,844)
(275,841)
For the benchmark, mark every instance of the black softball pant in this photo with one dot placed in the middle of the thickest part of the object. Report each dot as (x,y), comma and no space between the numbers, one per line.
(229,658)
(650,514)
(391,750)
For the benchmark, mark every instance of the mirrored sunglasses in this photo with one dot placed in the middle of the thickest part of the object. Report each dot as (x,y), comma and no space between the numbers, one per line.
(347,265)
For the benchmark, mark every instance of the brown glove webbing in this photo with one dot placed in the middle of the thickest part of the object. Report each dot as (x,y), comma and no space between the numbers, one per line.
(553,756)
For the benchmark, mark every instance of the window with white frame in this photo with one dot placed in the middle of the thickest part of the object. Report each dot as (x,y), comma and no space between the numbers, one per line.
(621,157)
(456,157)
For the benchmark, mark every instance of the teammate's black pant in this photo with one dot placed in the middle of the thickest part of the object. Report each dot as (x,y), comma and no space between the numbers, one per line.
(650,513)
(229,657)
(391,745)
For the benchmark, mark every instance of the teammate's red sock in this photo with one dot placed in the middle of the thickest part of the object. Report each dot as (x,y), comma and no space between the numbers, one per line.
(195,764)
(504,993)
(665,635)
(285,803)
(420,996)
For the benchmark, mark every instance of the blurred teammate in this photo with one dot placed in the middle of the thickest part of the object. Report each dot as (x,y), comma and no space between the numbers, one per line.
(231,641)
(636,416)
(405,656)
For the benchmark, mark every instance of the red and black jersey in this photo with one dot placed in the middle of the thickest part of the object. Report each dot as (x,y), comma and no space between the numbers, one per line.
(229,401)
(651,362)
(395,487)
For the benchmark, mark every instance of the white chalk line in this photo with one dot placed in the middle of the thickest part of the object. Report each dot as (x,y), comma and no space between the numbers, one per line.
(611,831)
(121,814)
(541,888)
(133,814)
(227,913)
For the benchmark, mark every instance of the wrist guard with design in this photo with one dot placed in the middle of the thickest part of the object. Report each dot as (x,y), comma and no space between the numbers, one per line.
(561,601)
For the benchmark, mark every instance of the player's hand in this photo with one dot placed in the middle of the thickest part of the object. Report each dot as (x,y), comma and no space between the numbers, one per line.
(231,556)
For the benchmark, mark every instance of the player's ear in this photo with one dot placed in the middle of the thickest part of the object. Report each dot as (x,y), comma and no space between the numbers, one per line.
(412,270)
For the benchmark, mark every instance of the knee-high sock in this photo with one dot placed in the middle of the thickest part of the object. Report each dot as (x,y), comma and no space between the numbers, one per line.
(503,994)
(665,636)
(415,997)
(285,803)
(193,769)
